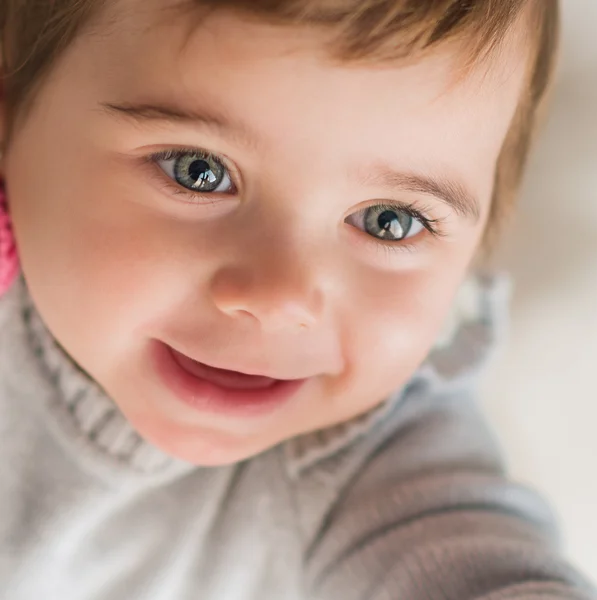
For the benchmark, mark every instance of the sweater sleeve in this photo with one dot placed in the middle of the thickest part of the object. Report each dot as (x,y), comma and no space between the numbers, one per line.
(429,514)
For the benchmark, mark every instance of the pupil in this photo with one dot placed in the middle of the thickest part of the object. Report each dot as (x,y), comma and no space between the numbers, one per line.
(386,219)
(199,170)
(389,222)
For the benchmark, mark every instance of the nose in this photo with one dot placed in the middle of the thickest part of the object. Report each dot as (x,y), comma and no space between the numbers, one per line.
(275,290)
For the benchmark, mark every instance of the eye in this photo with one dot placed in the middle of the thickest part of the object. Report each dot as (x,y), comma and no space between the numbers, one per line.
(196,171)
(387,222)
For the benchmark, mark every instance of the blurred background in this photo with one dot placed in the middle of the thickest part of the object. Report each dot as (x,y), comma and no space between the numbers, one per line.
(542,393)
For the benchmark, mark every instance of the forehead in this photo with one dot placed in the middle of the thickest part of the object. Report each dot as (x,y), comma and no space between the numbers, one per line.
(283,88)
(183,20)
(168,37)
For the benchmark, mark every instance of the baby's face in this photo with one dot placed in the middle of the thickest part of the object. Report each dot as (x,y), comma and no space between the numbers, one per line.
(224,190)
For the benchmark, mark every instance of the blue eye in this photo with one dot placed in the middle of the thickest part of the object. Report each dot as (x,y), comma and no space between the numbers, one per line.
(197,171)
(387,222)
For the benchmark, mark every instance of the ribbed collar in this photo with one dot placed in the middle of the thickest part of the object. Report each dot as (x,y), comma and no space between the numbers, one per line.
(84,418)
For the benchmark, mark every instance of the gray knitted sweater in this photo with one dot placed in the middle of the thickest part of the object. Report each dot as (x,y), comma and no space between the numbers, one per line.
(408,502)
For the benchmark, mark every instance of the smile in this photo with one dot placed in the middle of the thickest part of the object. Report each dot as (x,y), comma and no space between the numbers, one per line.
(210,389)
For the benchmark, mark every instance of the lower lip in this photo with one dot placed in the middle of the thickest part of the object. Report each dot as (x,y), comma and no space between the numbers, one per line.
(205,396)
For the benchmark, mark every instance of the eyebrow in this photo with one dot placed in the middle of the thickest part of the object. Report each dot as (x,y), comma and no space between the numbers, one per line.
(449,191)
(148,112)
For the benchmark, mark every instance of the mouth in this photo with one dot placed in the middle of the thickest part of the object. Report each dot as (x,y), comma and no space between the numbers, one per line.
(233,380)
(216,390)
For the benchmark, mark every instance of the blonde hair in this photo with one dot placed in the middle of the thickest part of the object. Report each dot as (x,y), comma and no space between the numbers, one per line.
(34,34)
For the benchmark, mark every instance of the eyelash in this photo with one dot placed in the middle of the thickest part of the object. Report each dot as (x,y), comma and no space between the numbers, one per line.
(433,226)
(419,214)
(177,189)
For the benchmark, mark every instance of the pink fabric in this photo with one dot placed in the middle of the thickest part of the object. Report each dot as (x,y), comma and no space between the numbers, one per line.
(9,261)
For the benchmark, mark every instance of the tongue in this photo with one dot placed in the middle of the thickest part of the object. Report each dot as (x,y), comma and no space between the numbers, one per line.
(227,379)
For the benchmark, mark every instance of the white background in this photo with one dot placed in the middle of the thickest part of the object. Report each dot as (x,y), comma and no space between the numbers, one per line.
(542,395)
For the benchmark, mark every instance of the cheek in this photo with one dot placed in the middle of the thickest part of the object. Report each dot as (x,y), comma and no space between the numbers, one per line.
(395,324)
(99,265)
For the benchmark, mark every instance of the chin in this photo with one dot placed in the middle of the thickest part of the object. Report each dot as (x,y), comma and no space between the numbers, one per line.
(199,446)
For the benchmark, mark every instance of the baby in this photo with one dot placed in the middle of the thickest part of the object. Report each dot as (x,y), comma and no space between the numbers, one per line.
(238,359)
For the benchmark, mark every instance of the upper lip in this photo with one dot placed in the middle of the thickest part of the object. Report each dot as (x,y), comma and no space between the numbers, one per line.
(245,371)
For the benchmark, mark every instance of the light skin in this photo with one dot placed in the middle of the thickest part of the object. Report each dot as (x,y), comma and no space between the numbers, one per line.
(278,273)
